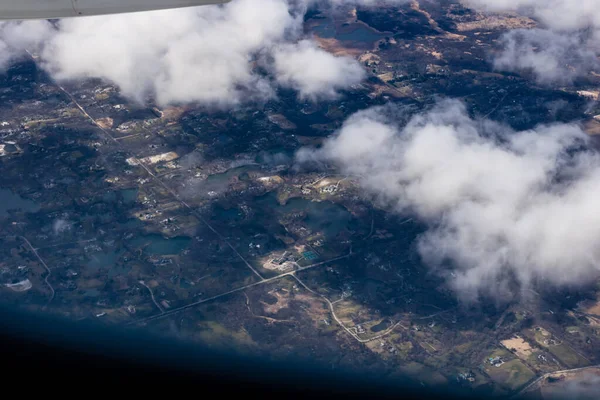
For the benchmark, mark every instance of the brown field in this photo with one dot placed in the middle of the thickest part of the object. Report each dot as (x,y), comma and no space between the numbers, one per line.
(522,349)
(105,123)
(497,21)
(336,47)
(283,300)
(592,127)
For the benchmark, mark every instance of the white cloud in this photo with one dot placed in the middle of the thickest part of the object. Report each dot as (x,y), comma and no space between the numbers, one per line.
(503,208)
(16,38)
(582,387)
(314,72)
(567,47)
(61,225)
(551,57)
(204,54)
(564,15)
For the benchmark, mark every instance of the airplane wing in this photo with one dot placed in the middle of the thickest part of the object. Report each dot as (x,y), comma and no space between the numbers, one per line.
(50,9)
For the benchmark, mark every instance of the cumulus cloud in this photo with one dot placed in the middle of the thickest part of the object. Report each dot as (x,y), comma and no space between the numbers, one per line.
(314,72)
(584,387)
(352,3)
(504,208)
(202,54)
(567,47)
(61,225)
(550,56)
(561,15)
(205,54)
(16,38)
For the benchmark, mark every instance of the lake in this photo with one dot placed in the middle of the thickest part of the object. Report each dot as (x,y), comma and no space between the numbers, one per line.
(104,259)
(321,216)
(360,33)
(11,201)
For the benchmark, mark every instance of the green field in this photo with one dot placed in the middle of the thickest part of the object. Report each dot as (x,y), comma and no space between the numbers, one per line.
(512,374)
(568,356)
(423,373)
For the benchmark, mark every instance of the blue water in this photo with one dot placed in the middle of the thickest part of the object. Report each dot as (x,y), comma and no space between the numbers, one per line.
(324,216)
(116,270)
(109,197)
(91,293)
(360,35)
(104,260)
(129,195)
(327,30)
(381,326)
(11,201)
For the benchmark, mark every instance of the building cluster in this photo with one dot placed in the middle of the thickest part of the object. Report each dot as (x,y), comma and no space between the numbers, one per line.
(466,377)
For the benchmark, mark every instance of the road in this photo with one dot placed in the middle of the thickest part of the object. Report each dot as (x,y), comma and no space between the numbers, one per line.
(498,105)
(340,323)
(262,280)
(239,289)
(156,179)
(164,314)
(160,182)
(67,243)
(545,376)
(152,295)
(34,251)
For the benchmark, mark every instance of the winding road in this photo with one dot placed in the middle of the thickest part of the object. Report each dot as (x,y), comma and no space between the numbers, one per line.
(152,295)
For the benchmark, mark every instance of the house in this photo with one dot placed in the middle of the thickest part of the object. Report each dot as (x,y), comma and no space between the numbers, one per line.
(496,361)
